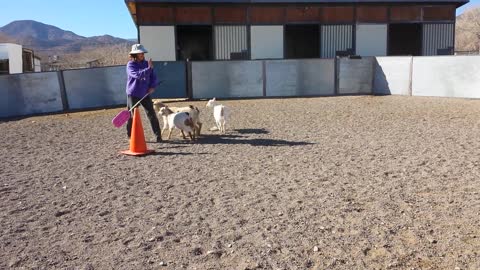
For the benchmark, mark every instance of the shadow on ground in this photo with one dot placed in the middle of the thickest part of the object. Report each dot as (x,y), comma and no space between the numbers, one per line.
(160,153)
(238,139)
(252,131)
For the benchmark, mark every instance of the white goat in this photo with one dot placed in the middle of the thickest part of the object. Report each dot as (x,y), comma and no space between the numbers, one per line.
(180,120)
(220,113)
(193,111)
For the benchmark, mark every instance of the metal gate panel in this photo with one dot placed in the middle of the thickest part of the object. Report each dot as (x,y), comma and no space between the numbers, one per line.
(438,39)
(173,78)
(231,42)
(336,38)
(227,79)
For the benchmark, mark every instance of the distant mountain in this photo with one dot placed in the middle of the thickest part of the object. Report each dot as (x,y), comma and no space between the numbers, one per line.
(6,39)
(47,38)
(61,49)
(38,31)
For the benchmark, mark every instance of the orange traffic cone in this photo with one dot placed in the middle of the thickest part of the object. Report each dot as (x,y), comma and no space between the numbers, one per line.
(138,147)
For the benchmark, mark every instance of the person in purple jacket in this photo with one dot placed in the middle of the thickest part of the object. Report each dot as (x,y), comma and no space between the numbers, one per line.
(141,79)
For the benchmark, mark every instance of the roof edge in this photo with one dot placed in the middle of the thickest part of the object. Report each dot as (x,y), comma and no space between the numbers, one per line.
(462,2)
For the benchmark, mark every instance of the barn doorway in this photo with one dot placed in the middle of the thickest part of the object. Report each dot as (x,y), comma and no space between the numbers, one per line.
(4,67)
(194,42)
(302,41)
(405,39)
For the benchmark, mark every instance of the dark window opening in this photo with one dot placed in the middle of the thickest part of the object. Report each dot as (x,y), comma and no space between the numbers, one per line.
(405,39)
(194,43)
(27,58)
(4,66)
(302,41)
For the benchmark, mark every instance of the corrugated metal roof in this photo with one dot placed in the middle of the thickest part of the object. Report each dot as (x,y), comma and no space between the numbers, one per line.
(457,2)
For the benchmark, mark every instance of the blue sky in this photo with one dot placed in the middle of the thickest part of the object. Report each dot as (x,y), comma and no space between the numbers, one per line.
(86,17)
(83,17)
(473,3)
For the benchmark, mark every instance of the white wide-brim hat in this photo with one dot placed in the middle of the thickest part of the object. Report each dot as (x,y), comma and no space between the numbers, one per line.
(138,48)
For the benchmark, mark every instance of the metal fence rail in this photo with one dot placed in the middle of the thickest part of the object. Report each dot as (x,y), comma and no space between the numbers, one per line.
(47,92)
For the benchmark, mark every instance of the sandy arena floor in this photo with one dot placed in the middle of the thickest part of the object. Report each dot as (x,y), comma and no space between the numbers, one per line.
(321,183)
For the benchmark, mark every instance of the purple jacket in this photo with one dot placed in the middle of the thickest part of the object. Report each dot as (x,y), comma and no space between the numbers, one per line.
(139,78)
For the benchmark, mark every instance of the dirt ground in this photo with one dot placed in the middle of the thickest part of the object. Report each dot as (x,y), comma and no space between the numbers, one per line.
(321,183)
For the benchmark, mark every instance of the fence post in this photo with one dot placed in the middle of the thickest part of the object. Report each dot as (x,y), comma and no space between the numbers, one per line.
(188,67)
(336,66)
(410,90)
(63,92)
(374,71)
(264,77)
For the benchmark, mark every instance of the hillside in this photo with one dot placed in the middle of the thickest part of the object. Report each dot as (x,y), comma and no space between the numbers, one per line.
(467,31)
(72,50)
(44,37)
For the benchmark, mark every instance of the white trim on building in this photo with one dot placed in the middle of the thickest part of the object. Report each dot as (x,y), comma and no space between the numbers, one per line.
(267,41)
(371,39)
(159,41)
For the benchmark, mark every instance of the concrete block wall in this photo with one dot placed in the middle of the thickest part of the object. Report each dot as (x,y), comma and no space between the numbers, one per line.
(47,92)
(393,75)
(309,77)
(434,76)
(355,76)
(446,76)
(438,76)
(227,79)
(94,88)
(270,78)
(30,93)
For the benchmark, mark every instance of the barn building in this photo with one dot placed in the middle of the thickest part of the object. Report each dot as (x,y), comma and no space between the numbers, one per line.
(15,59)
(199,30)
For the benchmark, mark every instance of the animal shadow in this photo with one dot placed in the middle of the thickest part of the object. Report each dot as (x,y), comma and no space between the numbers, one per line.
(252,131)
(235,139)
